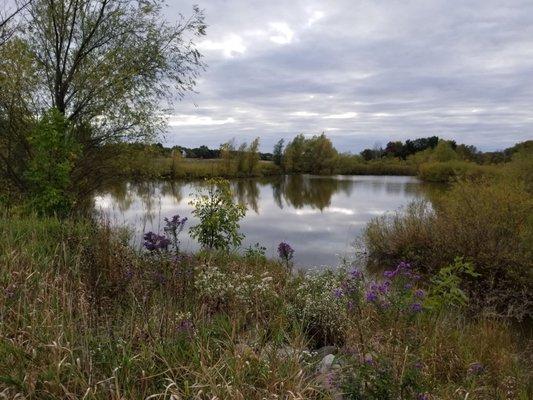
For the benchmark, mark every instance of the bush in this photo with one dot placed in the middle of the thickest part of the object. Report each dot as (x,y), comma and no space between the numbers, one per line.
(448,171)
(219,217)
(487,222)
(48,173)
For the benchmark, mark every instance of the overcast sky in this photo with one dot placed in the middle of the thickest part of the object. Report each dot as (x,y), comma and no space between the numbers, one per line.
(364,72)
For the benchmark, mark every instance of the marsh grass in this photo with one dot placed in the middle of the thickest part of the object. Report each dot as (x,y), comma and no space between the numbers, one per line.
(82,315)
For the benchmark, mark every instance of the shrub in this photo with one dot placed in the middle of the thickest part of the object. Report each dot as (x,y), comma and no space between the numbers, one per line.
(219,217)
(48,173)
(488,222)
(447,171)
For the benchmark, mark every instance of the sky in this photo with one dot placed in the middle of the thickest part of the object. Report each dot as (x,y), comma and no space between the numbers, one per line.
(363,72)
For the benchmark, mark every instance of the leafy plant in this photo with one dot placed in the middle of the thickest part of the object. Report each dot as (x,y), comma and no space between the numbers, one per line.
(446,285)
(219,217)
(48,173)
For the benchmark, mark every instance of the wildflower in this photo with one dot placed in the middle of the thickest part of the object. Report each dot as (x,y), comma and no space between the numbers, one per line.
(420,293)
(416,307)
(337,293)
(371,296)
(185,326)
(356,273)
(422,396)
(368,360)
(175,224)
(418,365)
(476,368)
(128,274)
(285,251)
(153,241)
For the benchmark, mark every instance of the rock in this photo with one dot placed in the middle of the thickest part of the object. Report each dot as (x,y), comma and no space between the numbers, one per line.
(324,351)
(324,366)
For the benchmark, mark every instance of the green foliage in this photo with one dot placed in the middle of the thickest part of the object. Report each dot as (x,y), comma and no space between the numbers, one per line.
(277,155)
(48,174)
(448,171)
(443,152)
(486,221)
(315,155)
(219,217)
(255,253)
(446,286)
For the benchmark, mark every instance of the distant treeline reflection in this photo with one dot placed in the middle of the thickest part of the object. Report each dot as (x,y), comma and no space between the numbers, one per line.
(295,191)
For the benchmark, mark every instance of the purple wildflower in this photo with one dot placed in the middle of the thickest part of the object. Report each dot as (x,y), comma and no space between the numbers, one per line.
(153,241)
(356,273)
(418,365)
(420,293)
(416,307)
(422,396)
(337,293)
(476,368)
(175,224)
(368,360)
(285,251)
(185,326)
(371,296)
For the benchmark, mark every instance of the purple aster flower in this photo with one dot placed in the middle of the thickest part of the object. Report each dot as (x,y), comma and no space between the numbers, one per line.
(371,296)
(422,396)
(185,326)
(356,273)
(476,368)
(337,293)
(153,241)
(420,293)
(285,251)
(389,274)
(368,360)
(416,307)
(175,224)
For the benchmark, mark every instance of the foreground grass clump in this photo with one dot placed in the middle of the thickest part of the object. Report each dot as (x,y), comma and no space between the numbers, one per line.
(84,316)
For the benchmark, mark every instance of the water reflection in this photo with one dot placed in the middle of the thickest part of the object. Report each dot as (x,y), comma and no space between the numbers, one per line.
(320,216)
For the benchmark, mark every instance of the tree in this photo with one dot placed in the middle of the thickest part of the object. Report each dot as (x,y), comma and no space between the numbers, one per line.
(242,158)
(444,152)
(107,66)
(6,18)
(277,156)
(226,154)
(293,157)
(253,156)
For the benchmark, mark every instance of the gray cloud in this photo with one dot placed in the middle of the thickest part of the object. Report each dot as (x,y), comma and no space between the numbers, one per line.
(362,71)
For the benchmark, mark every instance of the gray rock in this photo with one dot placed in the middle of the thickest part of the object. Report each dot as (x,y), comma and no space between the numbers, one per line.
(324,351)
(324,366)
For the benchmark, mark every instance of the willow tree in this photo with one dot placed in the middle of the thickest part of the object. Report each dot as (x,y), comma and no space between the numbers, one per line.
(110,67)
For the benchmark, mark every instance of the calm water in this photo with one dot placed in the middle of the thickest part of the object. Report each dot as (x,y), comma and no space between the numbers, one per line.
(321,217)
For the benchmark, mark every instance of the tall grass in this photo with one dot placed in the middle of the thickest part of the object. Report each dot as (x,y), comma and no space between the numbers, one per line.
(487,221)
(84,316)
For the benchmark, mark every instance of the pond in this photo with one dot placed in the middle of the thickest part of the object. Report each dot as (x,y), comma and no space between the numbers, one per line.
(319,216)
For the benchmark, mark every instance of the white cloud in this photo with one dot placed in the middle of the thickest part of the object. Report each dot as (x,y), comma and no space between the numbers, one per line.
(197,120)
(315,16)
(283,34)
(230,46)
(303,114)
(345,115)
